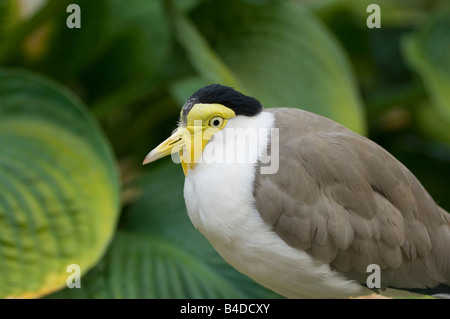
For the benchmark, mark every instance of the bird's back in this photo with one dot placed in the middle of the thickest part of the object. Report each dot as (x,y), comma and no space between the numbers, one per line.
(350,203)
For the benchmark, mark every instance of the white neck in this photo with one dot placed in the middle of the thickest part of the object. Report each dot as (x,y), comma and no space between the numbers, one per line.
(220,203)
(224,166)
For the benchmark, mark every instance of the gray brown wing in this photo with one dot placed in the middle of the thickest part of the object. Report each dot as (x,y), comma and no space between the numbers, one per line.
(348,202)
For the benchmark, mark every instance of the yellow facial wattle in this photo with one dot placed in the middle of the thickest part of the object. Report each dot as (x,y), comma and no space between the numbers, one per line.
(194,132)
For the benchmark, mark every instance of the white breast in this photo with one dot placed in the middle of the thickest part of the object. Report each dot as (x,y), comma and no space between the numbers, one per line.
(220,204)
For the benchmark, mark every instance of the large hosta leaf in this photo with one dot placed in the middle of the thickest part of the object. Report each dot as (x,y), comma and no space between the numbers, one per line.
(277,52)
(158,253)
(58,186)
(428,52)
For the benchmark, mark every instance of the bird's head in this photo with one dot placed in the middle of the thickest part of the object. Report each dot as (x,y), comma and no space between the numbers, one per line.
(206,112)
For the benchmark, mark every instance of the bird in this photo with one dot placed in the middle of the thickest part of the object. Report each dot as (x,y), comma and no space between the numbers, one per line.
(303,205)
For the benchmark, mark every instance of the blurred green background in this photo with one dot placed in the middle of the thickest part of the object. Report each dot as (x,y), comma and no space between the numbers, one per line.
(80,108)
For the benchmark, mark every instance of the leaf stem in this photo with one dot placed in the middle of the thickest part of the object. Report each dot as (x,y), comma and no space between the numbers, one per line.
(202,56)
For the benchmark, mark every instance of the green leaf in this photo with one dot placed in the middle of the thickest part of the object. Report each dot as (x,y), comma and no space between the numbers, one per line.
(13,42)
(427,52)
(432,125)
(204,59)
(118,42)
(279,52)
(182,89)
(138,46)
(59,189)
(69,50)
(8,15)
(158,254)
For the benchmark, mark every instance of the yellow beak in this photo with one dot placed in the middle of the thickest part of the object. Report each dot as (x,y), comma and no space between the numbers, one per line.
(173,144)
(188,142)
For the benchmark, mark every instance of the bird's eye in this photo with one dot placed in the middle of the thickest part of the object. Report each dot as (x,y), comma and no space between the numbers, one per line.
(216,122)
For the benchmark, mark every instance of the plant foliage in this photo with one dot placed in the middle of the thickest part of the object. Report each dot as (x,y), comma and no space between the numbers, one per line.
(78,106)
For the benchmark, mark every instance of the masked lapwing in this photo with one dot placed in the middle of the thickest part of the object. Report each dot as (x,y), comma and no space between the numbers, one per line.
(303,205)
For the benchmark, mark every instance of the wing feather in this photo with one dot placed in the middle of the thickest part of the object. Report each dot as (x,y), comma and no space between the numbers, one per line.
(348,202)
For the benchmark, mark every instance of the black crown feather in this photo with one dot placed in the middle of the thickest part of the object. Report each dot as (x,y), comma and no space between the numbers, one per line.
(240,103)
